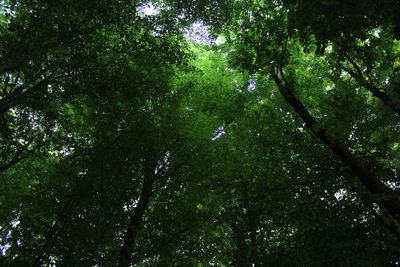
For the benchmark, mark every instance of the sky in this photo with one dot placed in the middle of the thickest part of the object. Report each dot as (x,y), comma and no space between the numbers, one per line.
(197,32)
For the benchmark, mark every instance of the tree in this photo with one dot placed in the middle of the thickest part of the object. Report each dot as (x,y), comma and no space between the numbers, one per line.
(125,143)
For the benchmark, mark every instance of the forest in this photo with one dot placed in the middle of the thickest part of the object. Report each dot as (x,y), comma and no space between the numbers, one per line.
(199,133)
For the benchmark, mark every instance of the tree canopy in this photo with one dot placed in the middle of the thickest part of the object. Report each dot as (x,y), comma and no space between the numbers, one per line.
(199,133)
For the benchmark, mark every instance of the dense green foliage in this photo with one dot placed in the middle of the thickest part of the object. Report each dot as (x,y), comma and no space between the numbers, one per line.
(123,142)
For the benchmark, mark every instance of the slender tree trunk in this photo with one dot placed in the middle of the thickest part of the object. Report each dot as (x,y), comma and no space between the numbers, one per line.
(136,219)
(251,217)
(253,238)
(389,201)
(241,255)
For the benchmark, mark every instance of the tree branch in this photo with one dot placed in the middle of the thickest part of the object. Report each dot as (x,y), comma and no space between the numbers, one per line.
(394,104)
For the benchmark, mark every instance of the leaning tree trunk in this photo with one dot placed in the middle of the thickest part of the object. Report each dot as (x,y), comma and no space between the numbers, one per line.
(389,201)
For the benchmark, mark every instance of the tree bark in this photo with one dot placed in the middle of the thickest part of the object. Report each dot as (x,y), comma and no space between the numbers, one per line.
(387,198)
(136,219)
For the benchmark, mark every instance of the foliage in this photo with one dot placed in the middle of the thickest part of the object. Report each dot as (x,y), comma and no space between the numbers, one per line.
(124,143)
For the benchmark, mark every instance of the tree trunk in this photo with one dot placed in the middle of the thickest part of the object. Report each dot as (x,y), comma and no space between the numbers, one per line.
(374,185)
(136,219)
(241,254)
(251,216)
